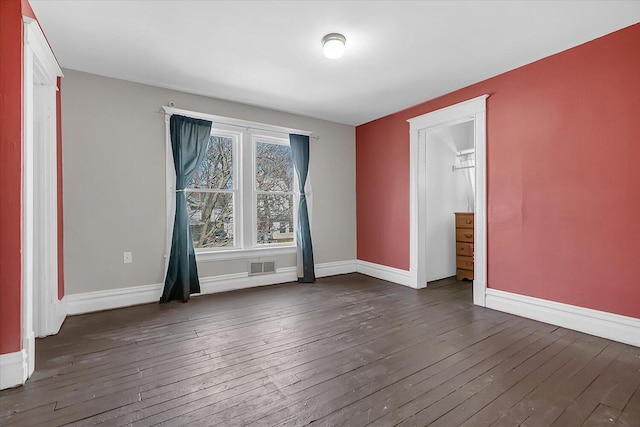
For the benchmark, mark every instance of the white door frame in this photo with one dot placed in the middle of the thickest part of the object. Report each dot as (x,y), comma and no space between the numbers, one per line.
(42,313)
(471,110)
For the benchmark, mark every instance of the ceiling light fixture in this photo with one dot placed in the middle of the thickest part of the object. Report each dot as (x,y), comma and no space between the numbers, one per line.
(333,45)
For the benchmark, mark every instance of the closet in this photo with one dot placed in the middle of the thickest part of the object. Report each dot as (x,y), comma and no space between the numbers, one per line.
(450,176)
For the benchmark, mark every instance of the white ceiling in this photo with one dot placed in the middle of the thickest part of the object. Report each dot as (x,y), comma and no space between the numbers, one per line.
(268,53)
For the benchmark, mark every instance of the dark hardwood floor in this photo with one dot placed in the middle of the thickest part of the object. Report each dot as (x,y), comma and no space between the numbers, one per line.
(347,351)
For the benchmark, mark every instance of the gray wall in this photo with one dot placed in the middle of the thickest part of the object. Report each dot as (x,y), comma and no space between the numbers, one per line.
(114,181)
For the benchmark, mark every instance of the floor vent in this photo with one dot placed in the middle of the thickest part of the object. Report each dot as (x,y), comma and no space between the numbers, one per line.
(257,267)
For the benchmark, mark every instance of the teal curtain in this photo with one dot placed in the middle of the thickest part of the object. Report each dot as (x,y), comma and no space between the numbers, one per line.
(300,151)
(189,140)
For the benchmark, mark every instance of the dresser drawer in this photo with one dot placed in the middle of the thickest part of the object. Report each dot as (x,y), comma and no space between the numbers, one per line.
(464,220)
(464,235)
(464,262)
(464,274)
(465,249)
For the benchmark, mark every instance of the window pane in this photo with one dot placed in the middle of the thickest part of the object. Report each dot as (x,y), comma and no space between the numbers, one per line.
(216,170)
(211,217)
(275,218)
(274,167)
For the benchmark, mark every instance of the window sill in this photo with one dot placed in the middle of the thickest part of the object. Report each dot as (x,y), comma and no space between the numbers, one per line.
(205,256)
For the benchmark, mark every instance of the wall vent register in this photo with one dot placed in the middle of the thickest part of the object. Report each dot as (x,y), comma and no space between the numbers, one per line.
(257,267)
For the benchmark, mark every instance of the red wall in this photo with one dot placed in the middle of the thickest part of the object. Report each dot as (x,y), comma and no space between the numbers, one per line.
(11,121)
(26,9)
(382,192)
(563,142)
(10,174)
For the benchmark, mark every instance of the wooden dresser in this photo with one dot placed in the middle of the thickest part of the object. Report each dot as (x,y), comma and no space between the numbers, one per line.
(464,245)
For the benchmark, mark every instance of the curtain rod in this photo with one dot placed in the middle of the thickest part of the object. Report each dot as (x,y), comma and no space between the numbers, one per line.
(228,121)
(455,168)
(465,152)
(264,130)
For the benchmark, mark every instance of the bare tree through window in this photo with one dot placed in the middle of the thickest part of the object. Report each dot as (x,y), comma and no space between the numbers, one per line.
(211,196)
(274,193)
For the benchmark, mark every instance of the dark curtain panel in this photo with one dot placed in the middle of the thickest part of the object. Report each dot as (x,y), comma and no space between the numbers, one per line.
(189,140)
(300,152)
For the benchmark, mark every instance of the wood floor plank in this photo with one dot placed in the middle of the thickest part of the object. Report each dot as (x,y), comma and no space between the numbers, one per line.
(397,364)
(614,387)
(391,397)
(349,350)
(506,391)
(260,369)
(546,403)
(35,410)
(631,413)
(427,364)
(531,391)
(458,387)
(603,415)
(375,334)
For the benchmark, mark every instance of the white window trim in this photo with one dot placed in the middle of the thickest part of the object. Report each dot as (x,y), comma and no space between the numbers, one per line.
(250,248)
(262,137)
(237,188)
(229,254)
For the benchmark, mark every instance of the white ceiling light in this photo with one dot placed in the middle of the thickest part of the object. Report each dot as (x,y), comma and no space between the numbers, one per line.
(333,45)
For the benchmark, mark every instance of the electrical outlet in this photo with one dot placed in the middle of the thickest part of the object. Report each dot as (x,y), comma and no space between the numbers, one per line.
(127,257)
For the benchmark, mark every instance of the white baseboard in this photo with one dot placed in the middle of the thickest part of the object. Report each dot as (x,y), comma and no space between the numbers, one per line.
(391,274)
(29,349)
(335,268)
(123,297)
(232,282)
(113,298)
(594,322)
(55,318)
(61,314)
(14,369)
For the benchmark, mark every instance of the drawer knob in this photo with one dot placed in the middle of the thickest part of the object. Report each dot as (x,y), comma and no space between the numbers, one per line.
(468,263)
(468,221)
(468,235)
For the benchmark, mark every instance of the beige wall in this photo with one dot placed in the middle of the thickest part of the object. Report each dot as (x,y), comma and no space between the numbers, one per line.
(114,181)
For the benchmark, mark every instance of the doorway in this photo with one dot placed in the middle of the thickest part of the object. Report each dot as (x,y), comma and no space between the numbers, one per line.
(42,313)
(472,112)
(450,180)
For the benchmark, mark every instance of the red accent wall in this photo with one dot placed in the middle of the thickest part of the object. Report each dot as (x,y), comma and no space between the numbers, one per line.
(11,41)
(382,192)
(11,124)
(563,143)
(26,9)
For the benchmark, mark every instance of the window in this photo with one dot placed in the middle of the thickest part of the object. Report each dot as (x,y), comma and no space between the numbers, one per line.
(243,195)
(212,195)
(273,180)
